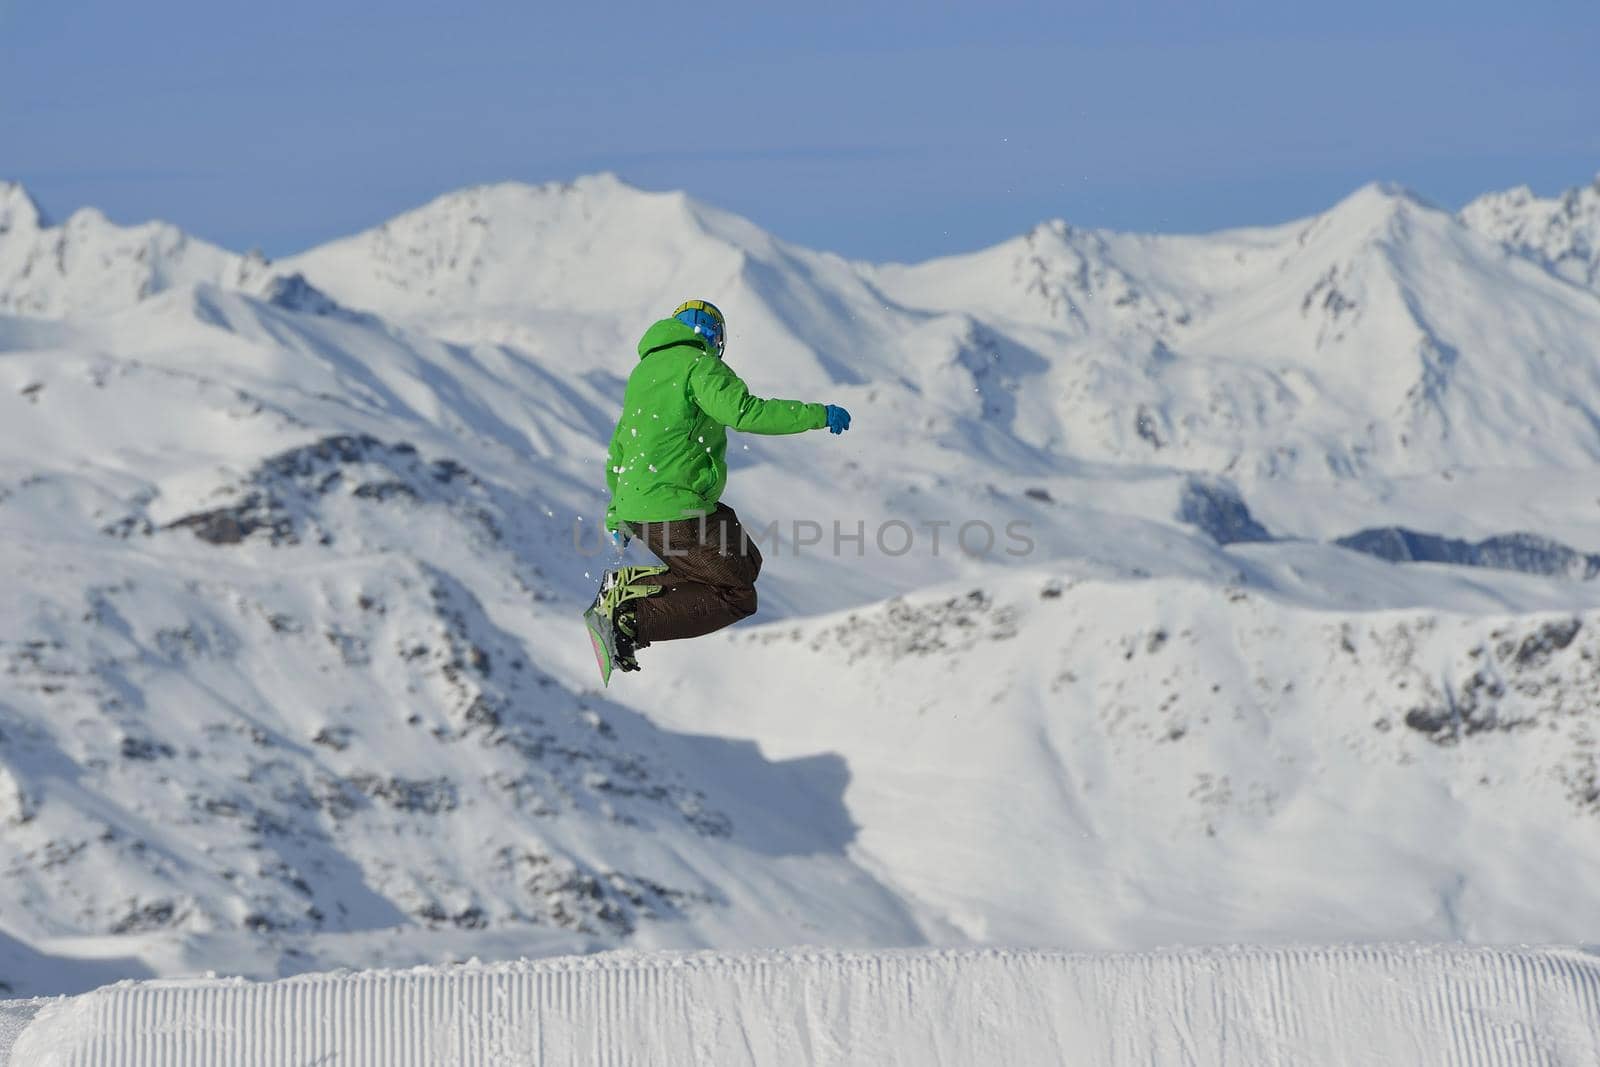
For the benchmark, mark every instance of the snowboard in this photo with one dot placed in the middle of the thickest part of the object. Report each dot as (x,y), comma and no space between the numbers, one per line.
(604,640)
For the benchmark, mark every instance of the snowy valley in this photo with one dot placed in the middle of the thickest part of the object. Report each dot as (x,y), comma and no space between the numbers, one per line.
(1304,646)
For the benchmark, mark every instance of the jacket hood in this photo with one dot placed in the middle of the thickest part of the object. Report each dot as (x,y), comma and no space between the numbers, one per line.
(670,332)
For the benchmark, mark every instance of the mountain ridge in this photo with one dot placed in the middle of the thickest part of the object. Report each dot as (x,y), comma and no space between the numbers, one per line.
(1561,233)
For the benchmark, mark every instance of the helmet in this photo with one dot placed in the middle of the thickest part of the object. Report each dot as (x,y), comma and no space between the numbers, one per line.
(706,320)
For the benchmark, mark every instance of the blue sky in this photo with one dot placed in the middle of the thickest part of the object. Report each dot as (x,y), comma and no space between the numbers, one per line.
(886,130)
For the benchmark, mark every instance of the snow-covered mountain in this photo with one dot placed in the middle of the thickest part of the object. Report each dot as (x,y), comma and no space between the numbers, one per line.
(88,265)
(1562,232)
(1383,337)
(292,675)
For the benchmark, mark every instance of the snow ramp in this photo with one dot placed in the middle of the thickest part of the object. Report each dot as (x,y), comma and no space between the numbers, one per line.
(1411,1005)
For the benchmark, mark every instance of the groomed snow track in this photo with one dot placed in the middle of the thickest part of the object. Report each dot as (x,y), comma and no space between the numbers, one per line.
(1371,1005)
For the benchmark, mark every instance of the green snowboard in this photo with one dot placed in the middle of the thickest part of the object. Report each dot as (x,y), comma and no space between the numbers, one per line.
(604,639)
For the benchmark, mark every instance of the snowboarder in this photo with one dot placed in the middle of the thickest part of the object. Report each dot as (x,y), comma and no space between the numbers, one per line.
(666,471)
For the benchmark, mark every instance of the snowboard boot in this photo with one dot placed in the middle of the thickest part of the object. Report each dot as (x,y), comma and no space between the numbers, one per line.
(617,589)
(626,630)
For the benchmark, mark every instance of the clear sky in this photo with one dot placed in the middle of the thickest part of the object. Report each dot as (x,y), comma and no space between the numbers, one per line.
(880,130)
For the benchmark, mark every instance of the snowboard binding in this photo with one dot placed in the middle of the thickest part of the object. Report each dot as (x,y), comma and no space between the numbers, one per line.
(612,629)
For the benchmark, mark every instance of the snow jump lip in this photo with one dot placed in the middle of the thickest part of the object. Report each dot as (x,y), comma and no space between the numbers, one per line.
(1404,1005)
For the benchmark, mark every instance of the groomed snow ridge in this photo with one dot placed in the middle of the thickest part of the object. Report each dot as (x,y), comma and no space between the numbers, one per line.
(1412,1005)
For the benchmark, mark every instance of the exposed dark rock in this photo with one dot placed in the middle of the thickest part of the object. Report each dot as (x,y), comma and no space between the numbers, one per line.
(1524,552)
(231,525)
(282,499)
(283,624)
(428,796)
(1481,701)
(470,918)
(385,491)
(127,526)
(293,293)
(1218,509)
(1536,649)
(899,629)
(563,894)
(1145,425)
(142,748)
(156,915)
(334,737)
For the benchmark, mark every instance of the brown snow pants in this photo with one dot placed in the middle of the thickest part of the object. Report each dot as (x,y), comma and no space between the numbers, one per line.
(710,580)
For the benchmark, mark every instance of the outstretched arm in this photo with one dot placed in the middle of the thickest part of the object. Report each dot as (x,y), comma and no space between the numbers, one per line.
(723,395)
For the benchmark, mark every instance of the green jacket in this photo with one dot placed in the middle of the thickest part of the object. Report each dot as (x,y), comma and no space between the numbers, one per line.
(668,457)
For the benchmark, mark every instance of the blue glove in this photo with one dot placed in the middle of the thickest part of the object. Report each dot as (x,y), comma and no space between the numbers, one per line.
(838,418)
(619,540)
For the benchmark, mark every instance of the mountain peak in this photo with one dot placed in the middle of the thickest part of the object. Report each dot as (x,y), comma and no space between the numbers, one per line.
(91,265)
(514,196)
(1378,200)
(606,180)
(1372,216)
(591,242)
(1561,233)
(19,210)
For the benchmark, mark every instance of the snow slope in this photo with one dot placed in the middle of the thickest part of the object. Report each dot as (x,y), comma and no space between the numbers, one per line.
(272,676)
(1239,1007)
(1188,764)
(291,676)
